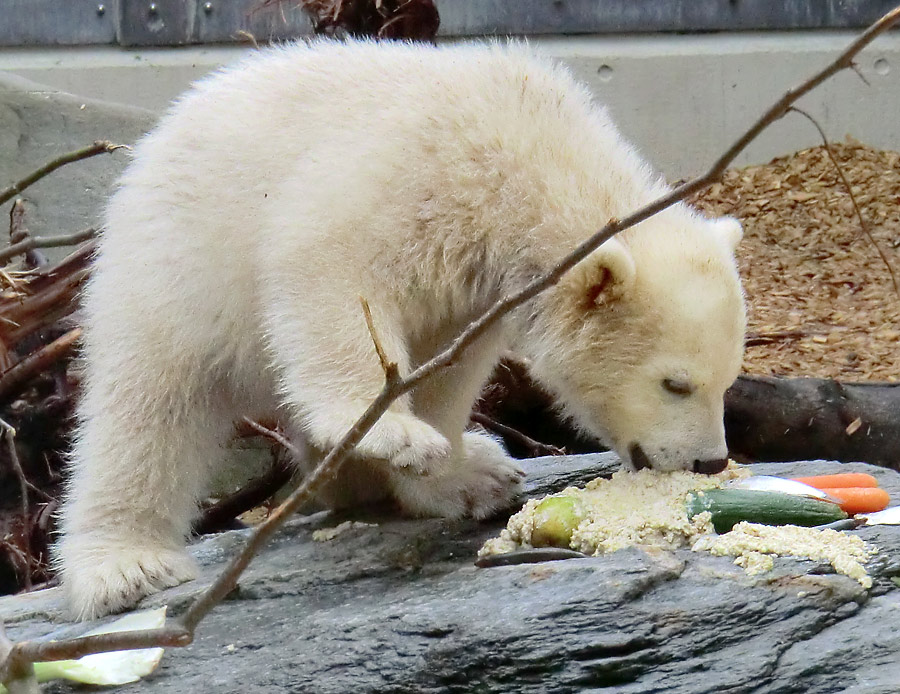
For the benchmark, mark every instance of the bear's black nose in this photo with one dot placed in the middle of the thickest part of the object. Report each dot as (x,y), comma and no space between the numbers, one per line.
(638,458)
(710,467)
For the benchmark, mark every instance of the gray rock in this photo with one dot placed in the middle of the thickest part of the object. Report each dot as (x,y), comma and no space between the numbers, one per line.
(401,608)
(38,124)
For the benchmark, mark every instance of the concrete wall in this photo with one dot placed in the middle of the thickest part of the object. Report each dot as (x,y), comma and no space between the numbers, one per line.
(681,99)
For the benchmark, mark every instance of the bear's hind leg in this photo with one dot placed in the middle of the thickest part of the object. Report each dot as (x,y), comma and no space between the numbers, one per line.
(138,467)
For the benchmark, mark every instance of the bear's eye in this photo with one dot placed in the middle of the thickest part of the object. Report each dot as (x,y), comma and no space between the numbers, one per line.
(678,386)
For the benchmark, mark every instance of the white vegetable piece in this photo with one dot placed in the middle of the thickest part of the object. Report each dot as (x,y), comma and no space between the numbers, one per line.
(769,483)
(114,667)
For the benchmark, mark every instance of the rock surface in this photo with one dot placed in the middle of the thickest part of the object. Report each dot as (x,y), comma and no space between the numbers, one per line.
(399,607)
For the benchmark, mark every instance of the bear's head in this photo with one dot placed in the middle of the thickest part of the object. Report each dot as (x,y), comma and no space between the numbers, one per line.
(641,340)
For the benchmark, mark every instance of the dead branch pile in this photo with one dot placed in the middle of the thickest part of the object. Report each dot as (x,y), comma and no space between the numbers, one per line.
(36,395)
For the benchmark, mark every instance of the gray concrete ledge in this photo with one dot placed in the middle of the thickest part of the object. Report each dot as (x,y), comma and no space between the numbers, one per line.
(681,99)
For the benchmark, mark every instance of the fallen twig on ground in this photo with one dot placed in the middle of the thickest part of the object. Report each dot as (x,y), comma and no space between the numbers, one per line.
(753,339)
(18,233)
(36,362)
(9,434)
(46,242)
(256,491)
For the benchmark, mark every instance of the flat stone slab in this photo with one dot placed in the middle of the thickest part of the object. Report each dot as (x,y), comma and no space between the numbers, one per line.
(399,607)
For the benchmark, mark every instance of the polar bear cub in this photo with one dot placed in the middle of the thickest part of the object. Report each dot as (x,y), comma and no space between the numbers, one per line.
(431,182)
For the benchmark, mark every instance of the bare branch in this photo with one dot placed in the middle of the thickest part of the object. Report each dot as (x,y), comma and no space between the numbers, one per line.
(227,580)
(859,73)
(389,367)
(536,448)
(247,37)
(99,147)
(273,434)
(9,433)
(16,675)
(754,339)
(17,221)
(71,649)
(18,233)
(842,62)
(864,225)
(256,492)
(32,242)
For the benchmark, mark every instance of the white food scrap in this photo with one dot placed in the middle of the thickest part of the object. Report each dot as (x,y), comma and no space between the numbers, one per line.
(328,534)
(754,547)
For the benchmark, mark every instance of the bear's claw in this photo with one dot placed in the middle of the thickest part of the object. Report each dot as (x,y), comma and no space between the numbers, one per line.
(106,578)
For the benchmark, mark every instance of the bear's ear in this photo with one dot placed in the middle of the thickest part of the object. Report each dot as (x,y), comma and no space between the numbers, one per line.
(729,230)
(604,276)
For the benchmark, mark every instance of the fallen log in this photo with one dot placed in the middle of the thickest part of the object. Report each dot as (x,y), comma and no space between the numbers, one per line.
(781,419)
(766,419)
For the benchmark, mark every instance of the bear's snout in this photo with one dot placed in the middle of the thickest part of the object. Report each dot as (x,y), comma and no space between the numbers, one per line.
(710,467)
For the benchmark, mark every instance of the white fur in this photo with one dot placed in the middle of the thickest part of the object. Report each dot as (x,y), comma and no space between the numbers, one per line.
(431,182)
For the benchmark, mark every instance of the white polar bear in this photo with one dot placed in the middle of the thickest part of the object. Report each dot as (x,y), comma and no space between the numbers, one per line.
(431,182)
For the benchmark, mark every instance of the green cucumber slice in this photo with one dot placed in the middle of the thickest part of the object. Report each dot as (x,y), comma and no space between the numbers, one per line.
(731,506)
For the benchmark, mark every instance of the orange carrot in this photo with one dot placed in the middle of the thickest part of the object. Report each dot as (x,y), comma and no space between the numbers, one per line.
(860,499)
(844,479)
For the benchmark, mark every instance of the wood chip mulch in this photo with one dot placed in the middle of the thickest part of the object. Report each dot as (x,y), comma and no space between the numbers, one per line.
(821,301)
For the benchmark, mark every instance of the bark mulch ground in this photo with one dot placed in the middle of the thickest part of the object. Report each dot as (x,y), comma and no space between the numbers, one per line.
(821,299)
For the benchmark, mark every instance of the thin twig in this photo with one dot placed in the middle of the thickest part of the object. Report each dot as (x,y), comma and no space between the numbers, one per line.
(17,221)
(9,433)
(71,649)
(864,225)
(536,448)
(391,372)
(32,242)
(247,37)
(18,232)
(227,580)
(17,675)
(755,339)
(273,434)
(99,147)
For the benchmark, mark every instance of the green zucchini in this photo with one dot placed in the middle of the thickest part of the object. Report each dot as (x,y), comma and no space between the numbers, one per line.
(731,506)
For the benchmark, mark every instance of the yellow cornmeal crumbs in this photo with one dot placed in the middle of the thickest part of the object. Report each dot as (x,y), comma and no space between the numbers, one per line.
(648,508)
(754,547)
(631,508)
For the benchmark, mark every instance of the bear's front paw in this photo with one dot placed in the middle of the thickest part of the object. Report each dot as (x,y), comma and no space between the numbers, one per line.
(407,442)
(484,482)
(402,439)
(101,578)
